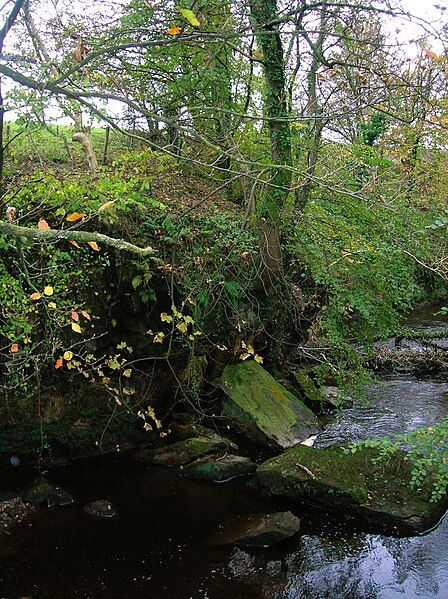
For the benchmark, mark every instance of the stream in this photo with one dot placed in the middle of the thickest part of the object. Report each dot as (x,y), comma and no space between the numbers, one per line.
(158,544)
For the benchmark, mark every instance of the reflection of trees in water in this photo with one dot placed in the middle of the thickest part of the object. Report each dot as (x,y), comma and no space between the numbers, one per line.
(369,566)
(363,567)
(422,562)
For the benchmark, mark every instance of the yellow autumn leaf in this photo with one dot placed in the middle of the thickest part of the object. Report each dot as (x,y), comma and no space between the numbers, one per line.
(93,245)
(173,31)
(73,242)
(68,355)
(35,296)
(127,372)
(190,16)
(244,356)
(49,290)
(182,326)
(106,206)
(76,327)
(158,338)
(52,305)
(164,317)
(258,359)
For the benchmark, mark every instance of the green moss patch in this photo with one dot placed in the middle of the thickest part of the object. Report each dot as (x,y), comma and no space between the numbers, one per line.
(263,408)
(337,479)
(219,469)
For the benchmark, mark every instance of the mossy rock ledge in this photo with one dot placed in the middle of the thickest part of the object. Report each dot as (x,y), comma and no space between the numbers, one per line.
(263,409)
(338,480)
(183,452)
(220,468)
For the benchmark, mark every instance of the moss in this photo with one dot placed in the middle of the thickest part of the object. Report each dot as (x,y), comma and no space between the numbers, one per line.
(196,446)
(340,479)
(256,400)
(308,386)
(220,468)
(183,452)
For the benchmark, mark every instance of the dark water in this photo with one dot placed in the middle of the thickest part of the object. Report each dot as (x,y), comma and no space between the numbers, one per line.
(157,546)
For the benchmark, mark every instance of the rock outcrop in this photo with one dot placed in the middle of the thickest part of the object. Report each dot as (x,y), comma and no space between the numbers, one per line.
(220,469)
(263,409)
(338,479)
(183,452)
(258,530)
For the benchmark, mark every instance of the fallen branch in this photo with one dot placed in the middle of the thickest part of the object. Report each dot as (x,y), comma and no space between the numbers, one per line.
(81,236)
(305,469)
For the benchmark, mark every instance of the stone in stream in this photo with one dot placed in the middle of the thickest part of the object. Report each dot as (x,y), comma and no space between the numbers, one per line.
(187,430)
(41,491)
(321,399)
(259,530)
(101,508)
(335,479)
(220,469)
(263,409)
(183,452)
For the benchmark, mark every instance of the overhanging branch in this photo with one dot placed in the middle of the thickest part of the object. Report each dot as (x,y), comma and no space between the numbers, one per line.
(81,236)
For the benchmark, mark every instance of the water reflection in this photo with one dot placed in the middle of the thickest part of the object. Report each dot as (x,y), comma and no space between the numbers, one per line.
(361,567)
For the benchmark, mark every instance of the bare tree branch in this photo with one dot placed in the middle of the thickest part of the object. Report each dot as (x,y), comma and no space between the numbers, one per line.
(82,236)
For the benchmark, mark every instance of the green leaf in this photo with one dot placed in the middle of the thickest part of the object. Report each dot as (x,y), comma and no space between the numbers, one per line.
(136,282)
(190,16)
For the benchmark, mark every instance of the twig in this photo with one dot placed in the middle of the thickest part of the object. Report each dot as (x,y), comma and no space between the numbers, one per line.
(305,469)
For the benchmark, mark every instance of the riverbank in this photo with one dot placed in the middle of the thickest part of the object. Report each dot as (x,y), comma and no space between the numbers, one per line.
(165,522)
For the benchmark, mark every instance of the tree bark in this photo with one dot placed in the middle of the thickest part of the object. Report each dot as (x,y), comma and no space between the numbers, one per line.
(86,141)
(81,236)
(264,13)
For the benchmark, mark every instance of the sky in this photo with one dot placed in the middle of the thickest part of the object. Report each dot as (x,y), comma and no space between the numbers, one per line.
(422,9)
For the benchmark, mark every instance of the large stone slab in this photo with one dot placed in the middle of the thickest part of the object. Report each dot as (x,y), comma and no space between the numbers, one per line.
(183,452)
(220,468)
(335,479)
(261,407)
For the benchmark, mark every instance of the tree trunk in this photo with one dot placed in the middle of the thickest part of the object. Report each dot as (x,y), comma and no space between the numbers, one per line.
(2,129)
(85,140)
(264,12)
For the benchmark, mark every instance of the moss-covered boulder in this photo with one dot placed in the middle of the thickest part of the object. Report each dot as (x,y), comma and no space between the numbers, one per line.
(263,408)
(183,452)
(220,469)
(181,431)
(339,480)
(320,399)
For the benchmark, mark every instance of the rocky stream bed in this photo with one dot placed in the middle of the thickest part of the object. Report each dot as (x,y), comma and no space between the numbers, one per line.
(127,525)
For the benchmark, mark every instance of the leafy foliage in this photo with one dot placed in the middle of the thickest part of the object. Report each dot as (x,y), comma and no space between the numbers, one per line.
(427,451)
